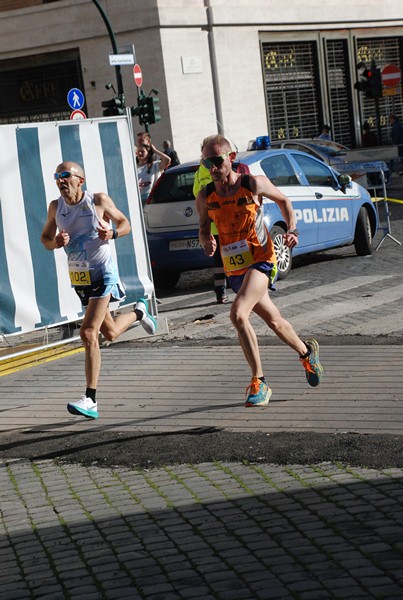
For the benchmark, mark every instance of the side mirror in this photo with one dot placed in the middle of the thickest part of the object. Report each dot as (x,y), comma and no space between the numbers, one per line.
(344,181)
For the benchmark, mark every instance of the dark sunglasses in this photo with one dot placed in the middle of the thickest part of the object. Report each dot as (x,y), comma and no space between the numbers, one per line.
(65,175)
(214,161)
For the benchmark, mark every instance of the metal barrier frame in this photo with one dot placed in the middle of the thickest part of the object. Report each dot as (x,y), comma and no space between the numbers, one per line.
(375,167)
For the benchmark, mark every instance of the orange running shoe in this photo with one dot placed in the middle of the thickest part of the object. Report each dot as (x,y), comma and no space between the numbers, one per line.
(258,393)
(313,368)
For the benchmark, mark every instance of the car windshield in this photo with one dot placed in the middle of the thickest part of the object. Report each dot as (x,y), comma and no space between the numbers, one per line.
(174,186)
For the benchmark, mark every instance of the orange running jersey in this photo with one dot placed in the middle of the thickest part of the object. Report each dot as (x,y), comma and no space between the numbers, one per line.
(244,238)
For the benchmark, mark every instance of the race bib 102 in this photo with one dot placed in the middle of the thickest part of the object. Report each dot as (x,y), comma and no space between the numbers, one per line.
(79,271)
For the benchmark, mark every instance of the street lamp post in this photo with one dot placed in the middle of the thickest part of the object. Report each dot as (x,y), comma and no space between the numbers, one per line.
(114,47)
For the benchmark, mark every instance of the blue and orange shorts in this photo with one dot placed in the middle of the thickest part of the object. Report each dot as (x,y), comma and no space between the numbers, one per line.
(268,268)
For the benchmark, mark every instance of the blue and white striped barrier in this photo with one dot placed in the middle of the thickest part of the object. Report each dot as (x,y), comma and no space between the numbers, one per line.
(35,288)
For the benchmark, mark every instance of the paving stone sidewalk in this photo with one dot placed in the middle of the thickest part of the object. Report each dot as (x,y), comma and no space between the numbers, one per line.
(216,530)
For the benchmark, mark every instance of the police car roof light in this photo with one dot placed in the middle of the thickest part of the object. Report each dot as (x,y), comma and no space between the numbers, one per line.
(262,142)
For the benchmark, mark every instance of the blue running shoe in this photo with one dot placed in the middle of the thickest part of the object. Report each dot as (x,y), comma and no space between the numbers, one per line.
(259,393)
(313,368)
(148,322)
(84,407)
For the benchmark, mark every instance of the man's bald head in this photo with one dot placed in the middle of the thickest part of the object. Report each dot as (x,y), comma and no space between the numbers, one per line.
(216,140)
(71,166)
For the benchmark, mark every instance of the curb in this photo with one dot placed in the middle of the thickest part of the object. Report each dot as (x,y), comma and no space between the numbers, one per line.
(29,359)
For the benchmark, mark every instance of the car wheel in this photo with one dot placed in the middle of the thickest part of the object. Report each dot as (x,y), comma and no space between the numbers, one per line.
(363,240)
(167,279)
(284,257)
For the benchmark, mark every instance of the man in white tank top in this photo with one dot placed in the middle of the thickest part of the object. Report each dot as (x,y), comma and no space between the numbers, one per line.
(78,221)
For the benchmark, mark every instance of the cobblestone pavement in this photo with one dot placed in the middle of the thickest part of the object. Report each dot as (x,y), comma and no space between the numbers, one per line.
(216,530)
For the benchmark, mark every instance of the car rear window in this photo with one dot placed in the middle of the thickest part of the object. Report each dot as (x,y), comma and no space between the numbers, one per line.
(173,187)
(177,186)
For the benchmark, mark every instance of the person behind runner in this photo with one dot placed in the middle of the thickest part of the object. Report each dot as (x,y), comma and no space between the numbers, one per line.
(325,134)
(202,178)
(368,138)
(78,221)
(396,134)
(171,152)
(151,162)
(143,137)
(234,202)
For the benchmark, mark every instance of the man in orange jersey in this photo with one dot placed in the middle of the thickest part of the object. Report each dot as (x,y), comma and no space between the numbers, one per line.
(233,201)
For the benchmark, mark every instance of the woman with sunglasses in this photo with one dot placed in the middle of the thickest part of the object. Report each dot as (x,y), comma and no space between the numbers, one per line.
(149,168)
(233,201)
(79,222)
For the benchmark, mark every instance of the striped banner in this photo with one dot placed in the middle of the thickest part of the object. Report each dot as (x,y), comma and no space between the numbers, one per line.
(35,289)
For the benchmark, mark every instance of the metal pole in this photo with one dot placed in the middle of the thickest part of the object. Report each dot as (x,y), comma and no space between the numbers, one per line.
(214,69)
(378,121)
(114,47)
(387,229)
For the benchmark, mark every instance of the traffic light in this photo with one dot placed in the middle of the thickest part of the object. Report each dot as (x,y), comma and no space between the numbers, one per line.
(142,110)
(154,109)
(114,107)
(370,82)
(147,109)
(375,81)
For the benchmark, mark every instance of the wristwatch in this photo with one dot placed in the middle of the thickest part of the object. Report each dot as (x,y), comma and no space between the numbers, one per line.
(294,232)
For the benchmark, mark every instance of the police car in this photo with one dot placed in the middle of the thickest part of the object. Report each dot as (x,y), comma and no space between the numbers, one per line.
(330,209)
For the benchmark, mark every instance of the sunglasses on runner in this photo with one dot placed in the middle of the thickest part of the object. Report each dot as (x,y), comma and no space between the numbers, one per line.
(65,175)
(215,161)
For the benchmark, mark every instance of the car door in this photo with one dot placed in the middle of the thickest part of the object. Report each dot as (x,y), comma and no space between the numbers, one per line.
(333,212)
(281,170)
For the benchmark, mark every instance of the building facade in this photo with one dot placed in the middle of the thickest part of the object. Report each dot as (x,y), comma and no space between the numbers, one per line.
(240,67)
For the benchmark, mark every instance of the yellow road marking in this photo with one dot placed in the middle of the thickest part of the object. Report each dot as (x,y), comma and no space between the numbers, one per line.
(27,361)
(388,200)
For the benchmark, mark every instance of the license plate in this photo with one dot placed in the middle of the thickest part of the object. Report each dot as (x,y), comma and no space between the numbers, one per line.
(191,244)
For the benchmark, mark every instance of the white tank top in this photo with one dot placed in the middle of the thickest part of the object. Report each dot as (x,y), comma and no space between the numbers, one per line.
(81,222)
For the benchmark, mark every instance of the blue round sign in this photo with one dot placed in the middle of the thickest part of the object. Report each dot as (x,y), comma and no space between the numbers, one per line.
(75,98)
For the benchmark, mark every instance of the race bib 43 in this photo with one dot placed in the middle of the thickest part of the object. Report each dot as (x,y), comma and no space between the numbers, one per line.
(236,256)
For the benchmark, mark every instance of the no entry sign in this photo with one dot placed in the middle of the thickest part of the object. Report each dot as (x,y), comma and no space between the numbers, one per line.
(77,114)
(138,76)
(391,76)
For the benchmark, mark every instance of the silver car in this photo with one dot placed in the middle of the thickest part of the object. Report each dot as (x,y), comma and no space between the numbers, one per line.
(336,155)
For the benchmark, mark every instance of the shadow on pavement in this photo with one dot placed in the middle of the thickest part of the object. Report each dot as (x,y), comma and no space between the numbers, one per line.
(221,531)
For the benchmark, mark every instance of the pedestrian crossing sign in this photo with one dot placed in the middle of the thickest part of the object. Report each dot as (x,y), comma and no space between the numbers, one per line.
(75,99)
